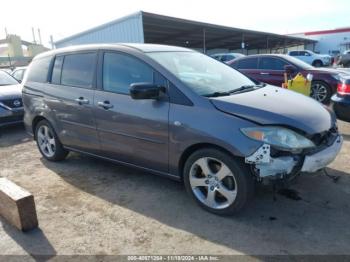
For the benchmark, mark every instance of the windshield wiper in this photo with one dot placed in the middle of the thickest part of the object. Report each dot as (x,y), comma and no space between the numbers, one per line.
(244,88)
(247,88)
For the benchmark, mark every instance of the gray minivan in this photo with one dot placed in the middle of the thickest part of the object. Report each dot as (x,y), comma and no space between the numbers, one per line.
(177,113)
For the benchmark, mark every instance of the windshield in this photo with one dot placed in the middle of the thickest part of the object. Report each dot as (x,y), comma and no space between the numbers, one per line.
(299,63)
(6,79)
(204,75)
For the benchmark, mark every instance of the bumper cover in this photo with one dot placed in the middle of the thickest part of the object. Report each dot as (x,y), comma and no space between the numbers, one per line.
(280,167)
(320,160)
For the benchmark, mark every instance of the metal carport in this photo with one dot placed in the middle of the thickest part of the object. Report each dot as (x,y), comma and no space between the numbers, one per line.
(181,32)
(144,27)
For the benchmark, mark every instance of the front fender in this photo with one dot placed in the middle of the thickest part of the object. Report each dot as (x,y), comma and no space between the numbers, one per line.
(189,126)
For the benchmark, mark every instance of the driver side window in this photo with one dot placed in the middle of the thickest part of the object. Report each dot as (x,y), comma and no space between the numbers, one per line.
(120,71)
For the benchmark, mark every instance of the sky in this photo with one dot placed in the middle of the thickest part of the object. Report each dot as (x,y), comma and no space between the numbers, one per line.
(62,18)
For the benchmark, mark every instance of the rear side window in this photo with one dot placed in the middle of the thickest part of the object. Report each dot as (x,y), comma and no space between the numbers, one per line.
(120,71)
(78,70)
(39,70)
(294,53)
(303,53)
(56,71)
(225,58)
(270,63)
(248,63)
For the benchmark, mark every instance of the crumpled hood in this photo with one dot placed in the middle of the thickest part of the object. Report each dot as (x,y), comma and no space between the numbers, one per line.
(277,106)
(11,91)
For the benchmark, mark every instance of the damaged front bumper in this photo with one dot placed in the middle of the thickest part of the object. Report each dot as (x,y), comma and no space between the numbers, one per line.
(267,166)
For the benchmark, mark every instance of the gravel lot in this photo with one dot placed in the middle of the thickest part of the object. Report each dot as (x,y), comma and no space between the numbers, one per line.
(89,206)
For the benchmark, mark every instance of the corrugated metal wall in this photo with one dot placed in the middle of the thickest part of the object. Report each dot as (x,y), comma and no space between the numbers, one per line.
(128,29)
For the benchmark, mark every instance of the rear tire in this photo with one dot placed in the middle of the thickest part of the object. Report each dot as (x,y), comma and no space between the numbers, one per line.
(48,143)
(218,182)
(321,92)
(317,63)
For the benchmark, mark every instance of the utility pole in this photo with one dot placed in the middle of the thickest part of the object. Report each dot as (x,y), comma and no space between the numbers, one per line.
(39,36)
(51,42)
(33,35)
(8,55)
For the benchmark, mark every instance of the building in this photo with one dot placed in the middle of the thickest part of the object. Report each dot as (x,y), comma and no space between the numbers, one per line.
(143,27)
(331,42)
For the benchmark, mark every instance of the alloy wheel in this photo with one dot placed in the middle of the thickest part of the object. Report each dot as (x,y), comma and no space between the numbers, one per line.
(213,183)
(319,92)
(46,141)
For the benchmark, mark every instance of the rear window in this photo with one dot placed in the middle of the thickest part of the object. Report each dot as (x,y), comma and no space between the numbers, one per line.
(78,70)
(294,53)
(39,69)
(248,63)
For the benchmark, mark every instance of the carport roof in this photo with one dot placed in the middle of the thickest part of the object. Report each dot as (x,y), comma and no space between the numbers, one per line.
(182,32)
(160,29)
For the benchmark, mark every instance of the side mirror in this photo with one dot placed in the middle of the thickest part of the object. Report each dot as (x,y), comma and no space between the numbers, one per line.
(145,91)
(290,69)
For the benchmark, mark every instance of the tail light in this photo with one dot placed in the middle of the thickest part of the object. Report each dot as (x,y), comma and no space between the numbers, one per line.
(344,89)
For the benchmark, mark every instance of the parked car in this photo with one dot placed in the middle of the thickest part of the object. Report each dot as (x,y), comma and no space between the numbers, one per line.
(341,100)
(11,108)
(344,59)
(18,73)
(177,113)
(317,60)
(270,69)
(225,57)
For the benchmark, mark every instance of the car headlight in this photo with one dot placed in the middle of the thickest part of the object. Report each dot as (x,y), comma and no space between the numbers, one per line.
(279,137)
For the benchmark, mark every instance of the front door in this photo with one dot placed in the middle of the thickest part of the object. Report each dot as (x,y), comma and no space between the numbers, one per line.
(272,70)
(131,131)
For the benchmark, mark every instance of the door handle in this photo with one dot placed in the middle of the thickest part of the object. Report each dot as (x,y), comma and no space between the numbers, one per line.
(264,73)
(82,101)
(105,105)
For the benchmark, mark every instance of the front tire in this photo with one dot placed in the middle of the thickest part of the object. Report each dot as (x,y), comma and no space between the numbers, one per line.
(218,182)
(48,143)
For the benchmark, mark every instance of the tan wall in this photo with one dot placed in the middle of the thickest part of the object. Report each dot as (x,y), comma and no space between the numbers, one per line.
(14,46)
(33,50)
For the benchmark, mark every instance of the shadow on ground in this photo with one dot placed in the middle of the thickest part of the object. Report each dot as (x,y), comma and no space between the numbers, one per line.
(316,224)
(33,242)
(13,135)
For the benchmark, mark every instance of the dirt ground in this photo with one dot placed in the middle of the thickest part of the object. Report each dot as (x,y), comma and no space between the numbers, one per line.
(89,206)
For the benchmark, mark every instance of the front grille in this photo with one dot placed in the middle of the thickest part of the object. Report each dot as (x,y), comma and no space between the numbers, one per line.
(325,138)
(12,103)
(322,140)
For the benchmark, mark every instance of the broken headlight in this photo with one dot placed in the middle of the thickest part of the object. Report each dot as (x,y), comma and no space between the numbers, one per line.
(279,137)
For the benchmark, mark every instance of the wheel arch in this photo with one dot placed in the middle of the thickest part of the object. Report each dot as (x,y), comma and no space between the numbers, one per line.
(317,61)
(35,122)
